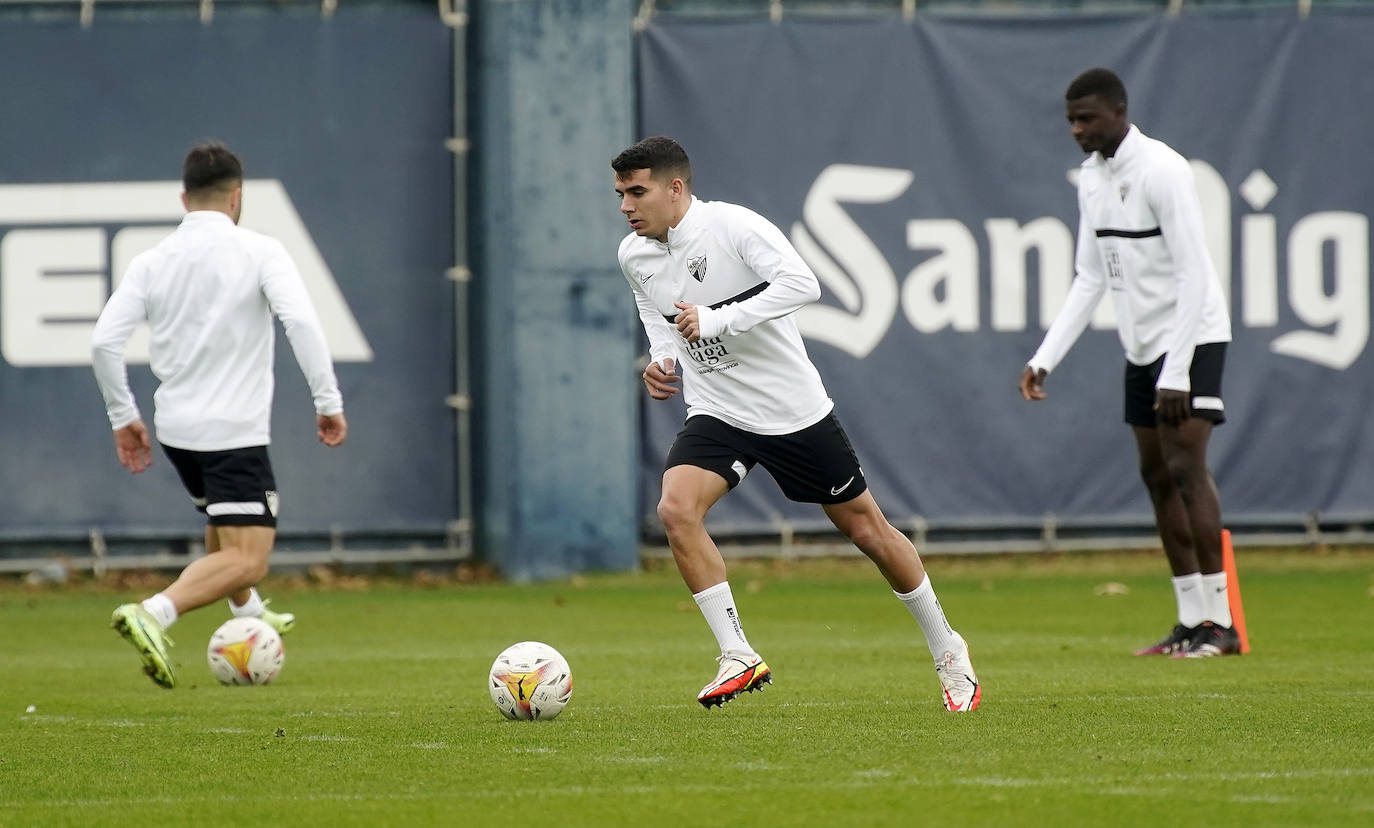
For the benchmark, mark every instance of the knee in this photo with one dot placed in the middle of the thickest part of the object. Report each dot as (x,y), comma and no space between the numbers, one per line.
(1158,479)
(677,514)
(252,567)
(257,569)
(1182,472)
(868,535)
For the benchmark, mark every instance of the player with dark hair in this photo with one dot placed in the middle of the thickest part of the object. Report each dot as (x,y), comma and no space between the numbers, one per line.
(716,285)
(210,167)
(1103,84)
(1140,235)
(209,292)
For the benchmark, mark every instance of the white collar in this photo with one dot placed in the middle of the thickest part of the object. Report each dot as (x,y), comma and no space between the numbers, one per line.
(1127,150)
(206,217)
(686,226)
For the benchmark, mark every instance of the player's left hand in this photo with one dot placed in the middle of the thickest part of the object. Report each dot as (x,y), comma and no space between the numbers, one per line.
(332,429)
(1172,407)
(688,322)
(132,446)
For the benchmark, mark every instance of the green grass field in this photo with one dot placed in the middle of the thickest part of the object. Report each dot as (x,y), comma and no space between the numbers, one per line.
(381,715)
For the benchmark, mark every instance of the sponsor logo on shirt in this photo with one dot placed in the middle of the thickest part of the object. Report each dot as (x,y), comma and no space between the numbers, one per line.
(711,355)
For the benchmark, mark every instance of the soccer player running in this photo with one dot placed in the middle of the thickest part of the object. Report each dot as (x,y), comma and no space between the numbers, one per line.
(1140,235)
(208,292)
(716,285)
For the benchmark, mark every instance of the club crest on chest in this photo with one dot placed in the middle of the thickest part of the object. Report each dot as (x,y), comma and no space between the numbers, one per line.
(697,267)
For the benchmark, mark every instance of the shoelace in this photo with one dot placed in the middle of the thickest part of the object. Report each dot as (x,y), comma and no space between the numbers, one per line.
(953,682)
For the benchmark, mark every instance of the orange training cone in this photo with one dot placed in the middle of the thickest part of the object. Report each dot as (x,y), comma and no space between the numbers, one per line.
(1228,563)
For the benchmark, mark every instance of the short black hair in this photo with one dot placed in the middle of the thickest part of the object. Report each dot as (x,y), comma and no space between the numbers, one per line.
(663,157)
(1100,82)
(210,166)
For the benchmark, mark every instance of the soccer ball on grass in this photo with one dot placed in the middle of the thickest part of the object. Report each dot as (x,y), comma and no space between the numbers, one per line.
(245,651)
(529,681)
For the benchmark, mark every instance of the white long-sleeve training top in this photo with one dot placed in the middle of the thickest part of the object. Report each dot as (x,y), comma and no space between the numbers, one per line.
(749,368)
(208,292)
(1140,233)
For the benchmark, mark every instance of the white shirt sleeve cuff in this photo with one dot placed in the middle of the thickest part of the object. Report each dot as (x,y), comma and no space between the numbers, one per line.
(710,321)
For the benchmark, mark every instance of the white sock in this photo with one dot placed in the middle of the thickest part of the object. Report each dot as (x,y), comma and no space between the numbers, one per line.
(1192,604)
(251,608)
(718,605)
(1218,605)
(162,609)
(925,608)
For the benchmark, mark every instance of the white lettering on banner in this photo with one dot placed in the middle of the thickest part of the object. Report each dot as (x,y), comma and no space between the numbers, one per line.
(65,246)
(1215,198)
(1008,243)
(53,288)
(862,280)
(1347,307)
(1325,249)
(955,267)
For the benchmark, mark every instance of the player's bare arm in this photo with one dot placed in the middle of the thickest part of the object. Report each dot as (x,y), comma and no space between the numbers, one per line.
(1032,383)
(133,447)
(1172,406)
(688,322)
(660,379)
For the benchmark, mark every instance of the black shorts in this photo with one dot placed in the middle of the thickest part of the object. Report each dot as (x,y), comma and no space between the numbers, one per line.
(1204,375)
(234,487)
(814,465)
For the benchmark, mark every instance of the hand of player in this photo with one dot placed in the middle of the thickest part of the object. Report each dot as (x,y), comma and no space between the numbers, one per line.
(1032,383)
(659,378)
(688,322)
(132,446)
(1172,407)
(332,428)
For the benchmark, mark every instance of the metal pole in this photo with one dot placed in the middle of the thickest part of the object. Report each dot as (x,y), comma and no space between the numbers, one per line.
(461,531)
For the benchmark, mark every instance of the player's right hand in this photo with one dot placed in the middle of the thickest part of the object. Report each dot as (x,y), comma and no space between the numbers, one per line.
(133,446)
(1032,383)
(660,379)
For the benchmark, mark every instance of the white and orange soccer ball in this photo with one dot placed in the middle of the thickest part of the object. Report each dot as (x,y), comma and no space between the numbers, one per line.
(245,651)
(530,681)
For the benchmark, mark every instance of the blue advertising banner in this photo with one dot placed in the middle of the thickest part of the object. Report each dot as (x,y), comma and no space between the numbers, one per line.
(340,124)
(925,172)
